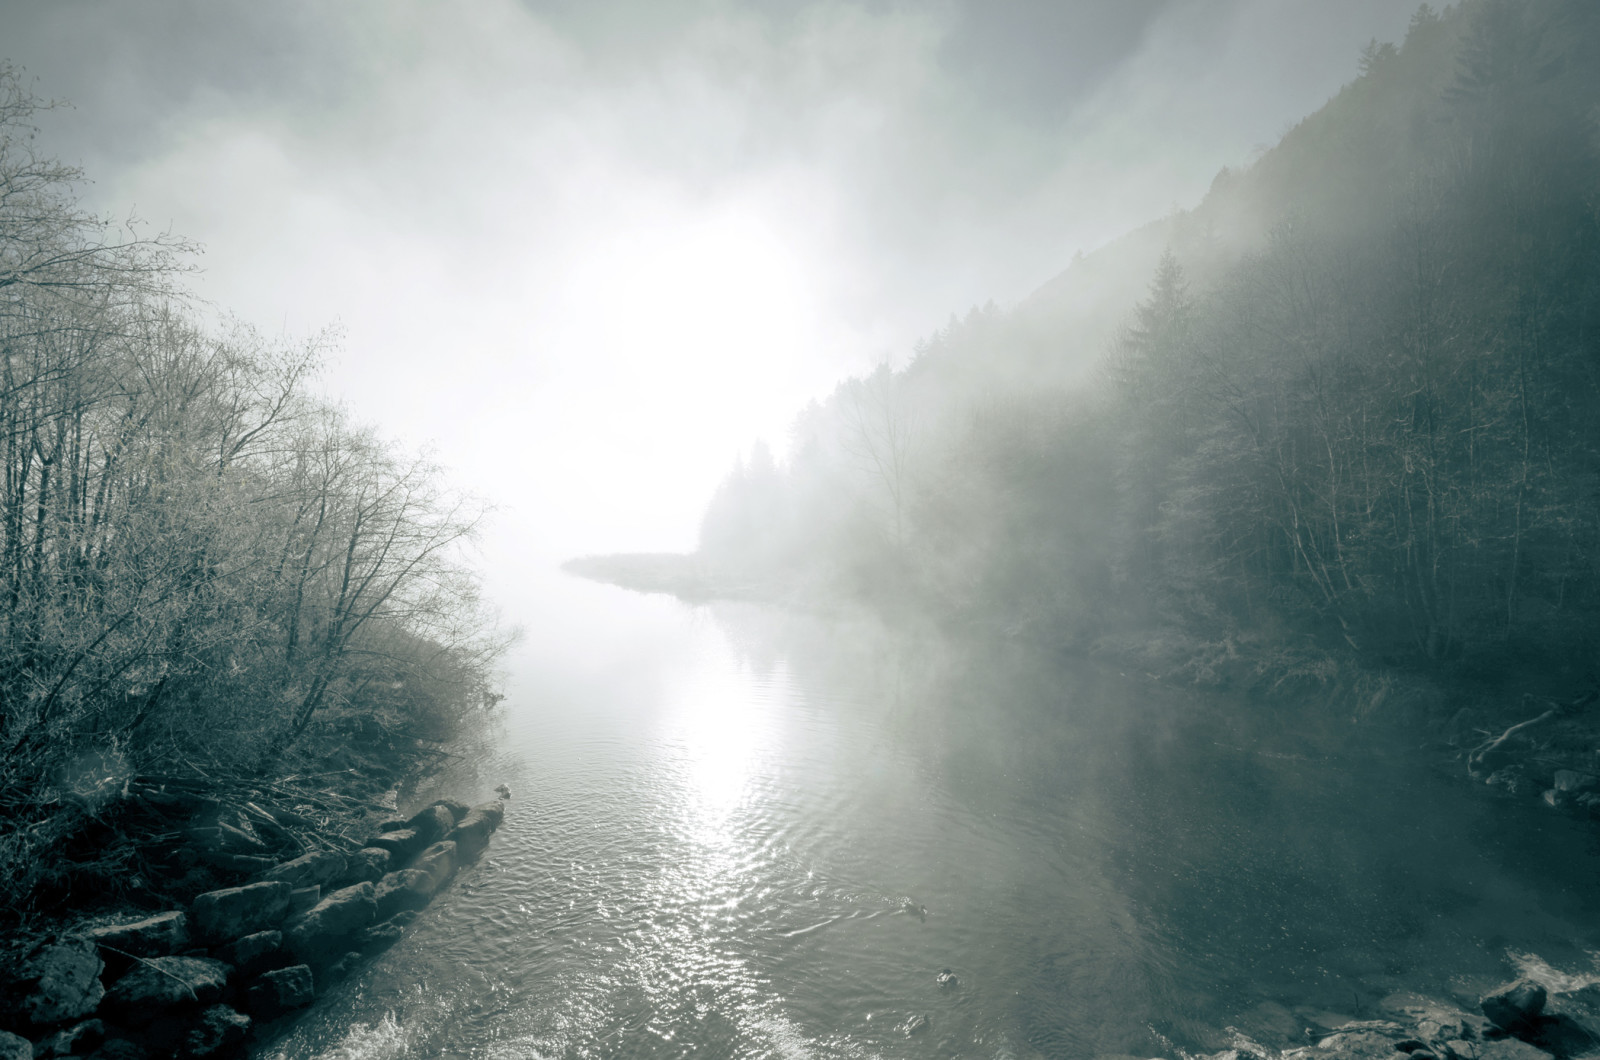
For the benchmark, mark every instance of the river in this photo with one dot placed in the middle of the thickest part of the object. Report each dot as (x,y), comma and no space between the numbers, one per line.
(737,832)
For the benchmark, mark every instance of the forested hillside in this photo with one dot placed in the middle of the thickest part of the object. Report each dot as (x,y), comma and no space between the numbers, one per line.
(1352,400)
(204,569)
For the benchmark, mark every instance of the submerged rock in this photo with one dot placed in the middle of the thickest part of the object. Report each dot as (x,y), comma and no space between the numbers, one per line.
(253,953)
(915,1025)
(408,889)
(219,1031)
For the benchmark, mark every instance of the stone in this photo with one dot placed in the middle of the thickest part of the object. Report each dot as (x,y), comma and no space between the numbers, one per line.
(15,1047)
(1514,1006)
(278,992)
(233,912)
(457,809)
(1497,1049)
(1570,780)
(163,983)
(1346,1044)
(156,936)
(432,824)
(303,899)
(403,843)
(76,1040)
(381,936)
(61,981)
(320,868)
(322,930)
(366,864)
(253,953)
(1553,798)
(391,824)
(120,1049)
(219,1032)
(914,1025)
(439,862)
(472,834)
(340,969)
(408,889)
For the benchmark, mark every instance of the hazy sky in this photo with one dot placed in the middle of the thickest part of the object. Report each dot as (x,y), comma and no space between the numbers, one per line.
(590,250)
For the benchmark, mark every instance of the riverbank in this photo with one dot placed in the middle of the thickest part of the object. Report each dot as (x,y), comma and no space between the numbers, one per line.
(196,916)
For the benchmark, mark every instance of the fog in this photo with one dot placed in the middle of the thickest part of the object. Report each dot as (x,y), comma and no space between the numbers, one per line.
(588,254)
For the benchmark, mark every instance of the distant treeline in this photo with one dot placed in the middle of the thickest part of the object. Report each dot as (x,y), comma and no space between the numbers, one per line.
(203,568)
(1357,403)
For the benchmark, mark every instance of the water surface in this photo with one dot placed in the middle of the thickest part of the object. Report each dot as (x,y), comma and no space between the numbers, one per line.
(739,833)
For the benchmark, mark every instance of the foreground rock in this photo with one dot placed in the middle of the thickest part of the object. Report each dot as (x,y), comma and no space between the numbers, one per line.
(1516,1006)
(173,984)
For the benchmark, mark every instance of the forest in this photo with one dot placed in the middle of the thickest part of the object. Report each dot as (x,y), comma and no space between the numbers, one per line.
(208,570)
(1344,408)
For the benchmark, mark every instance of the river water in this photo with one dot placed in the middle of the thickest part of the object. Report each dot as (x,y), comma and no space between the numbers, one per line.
(740,833)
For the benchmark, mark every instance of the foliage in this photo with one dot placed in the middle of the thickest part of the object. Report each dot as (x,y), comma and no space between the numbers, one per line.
(198,560)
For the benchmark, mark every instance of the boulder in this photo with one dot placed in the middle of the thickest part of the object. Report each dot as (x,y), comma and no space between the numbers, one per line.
(340,969)
(391,824)
(60,981)
(1515,1006)
(156,936)
(233,912)
(433,823)
(472,834)
(76,1040)
(120,1049)
(321,932)
(403,844)
(15,1047)
(162,983)
(383,935)
(457,809)
(253,953)
(366,865)
(319,868)
(219,1032)
(1569,780)
(408,889)
(278,992)
(439,862)
(1497,1049)
(303,899)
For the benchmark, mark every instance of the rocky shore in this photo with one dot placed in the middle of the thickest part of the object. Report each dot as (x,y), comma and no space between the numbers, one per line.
(206,980)
(1522,1020)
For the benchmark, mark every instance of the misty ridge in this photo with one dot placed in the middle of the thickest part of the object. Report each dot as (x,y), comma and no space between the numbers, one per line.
(1337,416)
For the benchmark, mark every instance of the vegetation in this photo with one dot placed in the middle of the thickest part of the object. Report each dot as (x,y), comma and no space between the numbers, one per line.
(205,570)
(1353,411)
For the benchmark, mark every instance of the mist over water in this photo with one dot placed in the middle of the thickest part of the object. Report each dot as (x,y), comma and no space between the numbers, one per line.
(766,834)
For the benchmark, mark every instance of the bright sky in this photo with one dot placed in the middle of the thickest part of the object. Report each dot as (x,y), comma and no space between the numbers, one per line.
(590,252)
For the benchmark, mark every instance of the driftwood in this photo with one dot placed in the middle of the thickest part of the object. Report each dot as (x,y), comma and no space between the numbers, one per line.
(1487,755)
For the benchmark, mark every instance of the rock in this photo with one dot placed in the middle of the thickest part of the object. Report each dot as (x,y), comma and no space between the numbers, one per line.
(915,1025)
(156,936)
(408,889)
(163,983)
(366,865)
(219,1032)
(278,992)
(403,843)
(383,935)
(15,1047)
(947,978)
(1554,798)
(253,953)
(322,930)
(472,834)
(233,912)
(391,824)
(439,862)
(432,824)
(503,791)
(1514,1006)
(340,969)
(319,868)
(457,809)
(76,1040)
(1496,1049)
(1572,781)
(302,899)
(120,1049)
(1364,1044)
(61,981)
